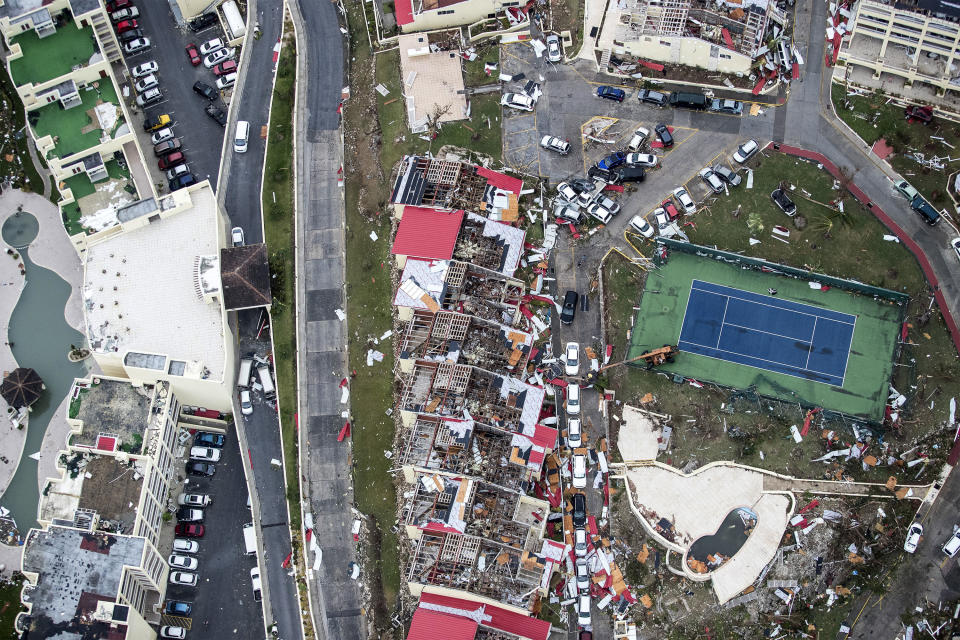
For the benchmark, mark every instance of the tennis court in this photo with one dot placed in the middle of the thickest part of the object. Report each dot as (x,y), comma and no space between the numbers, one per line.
(767,332)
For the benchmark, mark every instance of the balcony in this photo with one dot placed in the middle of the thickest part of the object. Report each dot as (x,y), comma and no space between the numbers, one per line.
(47,58)
(81,127)
(93,198)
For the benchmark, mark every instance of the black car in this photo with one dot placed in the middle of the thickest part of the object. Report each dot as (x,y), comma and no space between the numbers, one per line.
(597,172)
(183,180)
(205,90)
(208,440)
(652,97)
(217,114)
(630,174)
(177,608)
(782,200)
(569,307)
(579,503)
(665,136)
(203,21)
(197,468)
(189,514)
(133,34)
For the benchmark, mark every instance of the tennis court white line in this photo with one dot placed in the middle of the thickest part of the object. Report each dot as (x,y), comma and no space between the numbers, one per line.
(703,355)
(773,306)
(769,333)
(810,350)
(746,355)
(723,321)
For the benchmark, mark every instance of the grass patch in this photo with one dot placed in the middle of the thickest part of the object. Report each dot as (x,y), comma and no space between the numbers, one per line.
(15,162)
(10,606)
(872,119)
(473,70)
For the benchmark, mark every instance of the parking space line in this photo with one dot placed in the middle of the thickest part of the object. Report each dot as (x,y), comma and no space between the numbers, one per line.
(513,133)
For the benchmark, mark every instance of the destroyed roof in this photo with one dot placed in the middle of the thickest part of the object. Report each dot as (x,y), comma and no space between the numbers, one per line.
(245,277)
(428,624)
(533,449)
(936,7)
(488,615)
(450,184)
(427,233)
(490,244)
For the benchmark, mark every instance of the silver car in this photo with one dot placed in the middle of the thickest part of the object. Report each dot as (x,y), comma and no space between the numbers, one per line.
(689,206)
(712,179)
(554,143)
(554,52)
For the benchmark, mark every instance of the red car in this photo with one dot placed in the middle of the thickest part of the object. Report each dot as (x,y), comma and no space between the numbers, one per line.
(126,25)
(670,208)
(171,160)
(184,530)
(222,69)
(118,4)
(193,54)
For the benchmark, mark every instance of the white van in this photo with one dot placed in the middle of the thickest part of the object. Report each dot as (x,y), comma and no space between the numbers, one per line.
(241,136)
(269,391)
(953,544)
(243,378)
(249,539)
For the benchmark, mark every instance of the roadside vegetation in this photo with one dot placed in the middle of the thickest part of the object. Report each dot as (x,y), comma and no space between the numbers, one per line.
(15,163)
(10,605)
(718,424)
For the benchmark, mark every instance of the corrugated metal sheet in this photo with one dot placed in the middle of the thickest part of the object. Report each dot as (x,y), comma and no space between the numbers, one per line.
(430,625)
(427,233)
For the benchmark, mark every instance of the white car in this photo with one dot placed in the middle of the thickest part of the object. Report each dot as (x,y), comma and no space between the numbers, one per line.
(642,159)
(579,471)
(955,243)
(136,45)
(554,143)
(661,217)
(194,500)
(580,542)
(236,235)
(150,96)
(572,360)
(568,193)
(125,14)
(745,151)
(144,69)
(583,610)
(641,226)
(567,211)
(640,136)
(554,52)
(181,545)
(246,407)
(519,101)
(257,585)
(573,399)
(162,136)
(183,577)
(177,633)
(913,537)
(574,433)
(607,203)
(712,179)
(689,206)
(146,83)
(206,454)
(583,575)
(178,170)
(224,82)
(600,212)
(219,56)
(182,562)
(210,46)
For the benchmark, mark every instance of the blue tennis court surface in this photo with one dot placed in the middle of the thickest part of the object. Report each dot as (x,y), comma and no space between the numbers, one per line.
(767,333)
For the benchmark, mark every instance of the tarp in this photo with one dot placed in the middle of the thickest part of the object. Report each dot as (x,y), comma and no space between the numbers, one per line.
(759,86)
(656,66)
(726,38)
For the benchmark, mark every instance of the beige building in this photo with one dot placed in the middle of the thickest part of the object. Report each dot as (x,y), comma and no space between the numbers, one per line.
(429,15)
(152,298)
(911,53)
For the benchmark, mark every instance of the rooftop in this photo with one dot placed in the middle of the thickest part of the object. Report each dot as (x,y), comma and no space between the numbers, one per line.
(452,184)
(15,8)
(437,90)
(142,292)
(458,286)
(490,244)
(114,415)
(77,570)
(98,118)
(488,616)
(427,233)
(96,203)
(245,276)
(53,56)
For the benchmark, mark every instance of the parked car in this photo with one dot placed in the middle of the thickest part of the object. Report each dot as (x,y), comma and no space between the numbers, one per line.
(256,584)
(689,206)
(126,25)
(205,439)
(162,136)
(566,212)
(246,406)
(955,243)
(726,174)
(203,21)
(206,454)
(182,180)
(711,179)
(176,633)
(193,54)
(152,123)
(571,362)
(183,578)
(578,511)
(629,174)
(124,14)
(218,56)
(147,82)
(185,546)
(554,52)
(567,192)
(205,90)
(197,468)
(553,143)
(671,209)
(600,212)
(574,433)
(171,160)
(640,137)
(519,101)
(611,93)
(663,132)
(641,226)
(612,161)
(136,46)
(952,545)
(236,236)
(227,81)
(583,574)
(782,200)
(580,542)
(642,159)
(194,500)
(583,610)
(177,608)
(217,114)
(652,97)
(745,151)
(918,113)
(166,147)
(178,170)
(210,46)
(733,107)
(182,562)
(225,67)
(573,399)
(185,530)
(130,34)
(116,5)
(149,96)
(579,471)
(569,310)
(607,203)
(144,69)
(926,212)
(661,218)
(186,514)
(913,537)
(906,190)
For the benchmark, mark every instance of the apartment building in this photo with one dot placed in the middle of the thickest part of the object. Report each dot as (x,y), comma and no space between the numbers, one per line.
(909,50)
(65,62)
(430,15)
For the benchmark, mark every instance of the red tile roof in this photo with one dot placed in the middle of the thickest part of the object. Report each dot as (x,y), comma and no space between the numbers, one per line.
(430,625)
(493,617)
(404,11)
(427,233)
(545,436)
(501,180)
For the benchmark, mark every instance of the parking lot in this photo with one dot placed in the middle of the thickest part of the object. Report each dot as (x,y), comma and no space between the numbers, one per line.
(200,135)
(223,602)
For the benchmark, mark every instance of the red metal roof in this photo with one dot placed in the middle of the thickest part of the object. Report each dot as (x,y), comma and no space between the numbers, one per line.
(656,66)
(726,38)
(545,436)
(429,625)
(501,180)
(404,11)
(427,233)
(494,618)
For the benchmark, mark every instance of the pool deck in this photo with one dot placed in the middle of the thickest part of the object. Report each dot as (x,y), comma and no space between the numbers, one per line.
(51,249)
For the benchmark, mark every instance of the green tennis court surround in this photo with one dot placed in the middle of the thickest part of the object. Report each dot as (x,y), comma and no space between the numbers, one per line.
(859,389)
